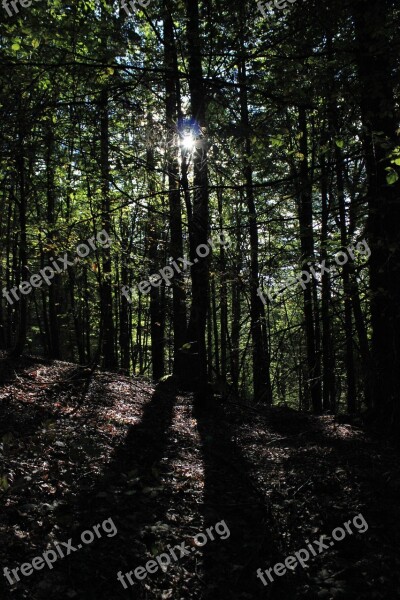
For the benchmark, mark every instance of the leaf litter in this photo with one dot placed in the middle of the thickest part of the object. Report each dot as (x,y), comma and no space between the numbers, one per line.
(164,470)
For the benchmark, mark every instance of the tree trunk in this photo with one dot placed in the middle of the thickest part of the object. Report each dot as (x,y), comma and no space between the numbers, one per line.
(22,270)
(236,316)
(375,67)
(157,309)
(107,324)
(54,340)
(195,362)
(224,296)
(348,319)
(261,372)
(307,250)
(172,101)
(328,354)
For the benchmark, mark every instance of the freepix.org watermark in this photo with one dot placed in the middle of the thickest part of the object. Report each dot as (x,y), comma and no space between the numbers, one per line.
(132,4)
(303,555)
(162,561)
(341,258)
(48,273)
(167,273)
(51,556)
(279,4)
(14,4)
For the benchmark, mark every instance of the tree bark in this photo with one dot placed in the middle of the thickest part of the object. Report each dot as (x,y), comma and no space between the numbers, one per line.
(107,324)
(172,104)
(261,366)
(307,250)
(195,362)
(328,354)
(54,337)
(375,68)
(157,308)
(22,270)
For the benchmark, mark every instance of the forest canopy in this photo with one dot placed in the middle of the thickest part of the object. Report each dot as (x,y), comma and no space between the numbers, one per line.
(162,127)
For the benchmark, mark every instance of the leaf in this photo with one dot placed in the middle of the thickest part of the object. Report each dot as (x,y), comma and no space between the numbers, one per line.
(277,141)
(35,43)
(4,485)
(392,177)
(15,47)
(339,143)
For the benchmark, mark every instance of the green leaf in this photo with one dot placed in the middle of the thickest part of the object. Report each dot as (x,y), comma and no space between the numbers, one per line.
(277,140)
(4,485)
(392,177)
(339,143)
(15,47)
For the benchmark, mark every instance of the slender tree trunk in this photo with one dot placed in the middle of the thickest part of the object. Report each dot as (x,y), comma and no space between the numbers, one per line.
(107,323)
(348,319)
(87,315)
(215,326)
(78,322)
(363,340)
(172,101)
(236,316)
(328,354)
(157,309)
(124,322)
(54,341)
(261,374)
(210,361)
(9,309)
(22,256)
(224,297)
(307,250)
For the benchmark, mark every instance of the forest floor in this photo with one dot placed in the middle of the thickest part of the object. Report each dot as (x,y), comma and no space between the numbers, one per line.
(80,447)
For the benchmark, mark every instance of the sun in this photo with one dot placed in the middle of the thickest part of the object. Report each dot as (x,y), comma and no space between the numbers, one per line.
(188,142)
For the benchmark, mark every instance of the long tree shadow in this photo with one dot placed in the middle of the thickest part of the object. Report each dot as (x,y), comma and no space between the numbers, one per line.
(128,492)
(134,480)
(231,494)
(341,472)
